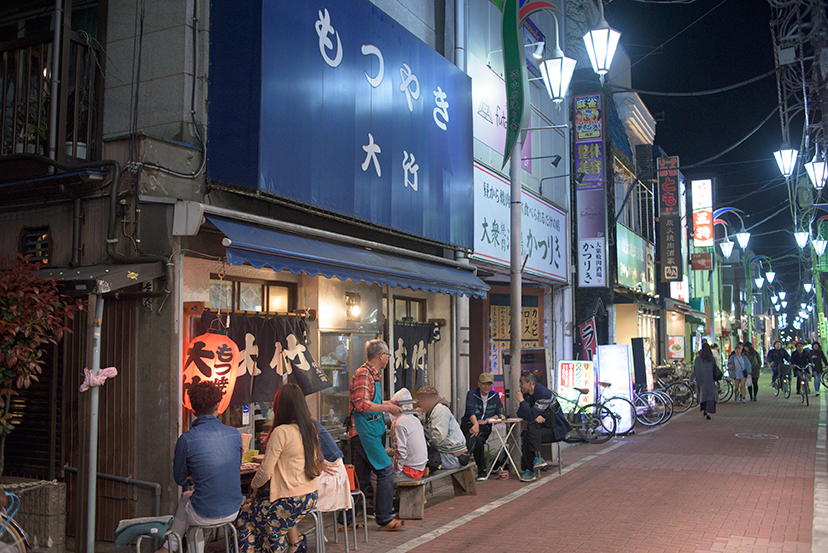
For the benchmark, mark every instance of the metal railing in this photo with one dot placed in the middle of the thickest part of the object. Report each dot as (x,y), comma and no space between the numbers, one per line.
(25,96)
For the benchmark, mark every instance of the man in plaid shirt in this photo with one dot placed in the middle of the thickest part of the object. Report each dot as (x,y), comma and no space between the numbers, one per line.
(367,432)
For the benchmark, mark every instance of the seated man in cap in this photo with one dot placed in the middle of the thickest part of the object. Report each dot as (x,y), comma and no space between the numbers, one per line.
(443,433)
(482,404)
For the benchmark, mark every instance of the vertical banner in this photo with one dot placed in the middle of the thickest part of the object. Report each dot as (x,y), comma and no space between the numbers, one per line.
(589,339)
(589,191)
(576,374)
(669,219)
(304,371)
(702,212)
(410,353)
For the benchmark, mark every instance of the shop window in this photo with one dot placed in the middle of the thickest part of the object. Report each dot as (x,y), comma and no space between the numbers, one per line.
(410,310)
(36,242)
(237,294)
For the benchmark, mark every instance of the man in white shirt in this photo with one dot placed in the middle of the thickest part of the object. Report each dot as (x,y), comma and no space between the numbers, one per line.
(408,444)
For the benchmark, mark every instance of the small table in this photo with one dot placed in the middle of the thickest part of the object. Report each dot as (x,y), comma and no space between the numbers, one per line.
(504,444)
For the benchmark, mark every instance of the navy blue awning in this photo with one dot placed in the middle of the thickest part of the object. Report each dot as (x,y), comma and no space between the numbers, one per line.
(262,247)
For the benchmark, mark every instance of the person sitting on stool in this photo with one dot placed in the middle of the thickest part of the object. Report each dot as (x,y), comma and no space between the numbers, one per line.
(482,404)
(534,399)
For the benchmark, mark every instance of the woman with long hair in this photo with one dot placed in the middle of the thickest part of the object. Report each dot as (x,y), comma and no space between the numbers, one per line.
(292,466)
(704,373)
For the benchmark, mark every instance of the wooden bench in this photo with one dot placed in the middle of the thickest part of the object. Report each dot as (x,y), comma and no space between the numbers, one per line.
(412,492)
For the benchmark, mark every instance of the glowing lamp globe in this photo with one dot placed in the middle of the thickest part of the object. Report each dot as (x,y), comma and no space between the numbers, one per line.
(786,160)
(819,246)
(601,43)
(557,72)
(743,238)
(801,238)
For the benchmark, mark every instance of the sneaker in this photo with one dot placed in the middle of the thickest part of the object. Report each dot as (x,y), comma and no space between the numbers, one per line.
(527,476)
(539,463)
(816,394)
(481,477)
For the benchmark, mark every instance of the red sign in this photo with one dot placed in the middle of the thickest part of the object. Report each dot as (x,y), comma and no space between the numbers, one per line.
(703,227)
(589,339)
(702,261)
(215,358)
(669,219)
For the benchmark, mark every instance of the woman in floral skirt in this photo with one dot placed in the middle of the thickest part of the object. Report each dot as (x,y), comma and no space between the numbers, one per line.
(292,466)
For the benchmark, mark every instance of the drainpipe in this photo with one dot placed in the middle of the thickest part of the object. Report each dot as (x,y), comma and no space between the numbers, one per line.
(93,426)
(76,231)
(460,34)
(53,100)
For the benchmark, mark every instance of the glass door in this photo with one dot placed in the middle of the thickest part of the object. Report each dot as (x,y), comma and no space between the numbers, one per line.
(341,354)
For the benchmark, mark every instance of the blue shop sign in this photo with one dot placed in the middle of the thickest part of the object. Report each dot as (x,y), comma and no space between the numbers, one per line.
(333,104)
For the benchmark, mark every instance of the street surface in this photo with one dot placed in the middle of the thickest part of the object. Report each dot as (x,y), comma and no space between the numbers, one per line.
(743,481)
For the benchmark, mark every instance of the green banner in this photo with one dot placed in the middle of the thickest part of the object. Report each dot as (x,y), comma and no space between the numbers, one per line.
(512,67)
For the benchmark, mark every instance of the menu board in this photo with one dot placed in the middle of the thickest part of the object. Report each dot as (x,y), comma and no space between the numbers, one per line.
(615,367)
(576,374)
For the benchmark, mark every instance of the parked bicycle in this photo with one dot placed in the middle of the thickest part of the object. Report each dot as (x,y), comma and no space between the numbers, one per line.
(651,407)
(594,423)
(12,537)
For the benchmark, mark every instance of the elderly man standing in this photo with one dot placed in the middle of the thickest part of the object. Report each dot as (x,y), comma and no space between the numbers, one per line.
(367,429)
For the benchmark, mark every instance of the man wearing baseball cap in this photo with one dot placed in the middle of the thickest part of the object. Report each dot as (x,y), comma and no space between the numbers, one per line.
(482,404)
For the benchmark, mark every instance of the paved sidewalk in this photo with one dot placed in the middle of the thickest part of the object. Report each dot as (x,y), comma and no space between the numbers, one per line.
(743,481)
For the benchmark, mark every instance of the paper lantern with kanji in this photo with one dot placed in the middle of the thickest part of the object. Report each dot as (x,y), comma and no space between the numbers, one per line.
(212,357)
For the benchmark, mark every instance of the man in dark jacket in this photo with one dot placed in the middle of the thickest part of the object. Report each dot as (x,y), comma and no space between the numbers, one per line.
(800,359)
(778,359)
(482,404)
(534,399)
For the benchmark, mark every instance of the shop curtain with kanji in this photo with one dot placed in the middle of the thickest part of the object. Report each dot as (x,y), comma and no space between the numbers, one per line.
(269,349)
(410,353)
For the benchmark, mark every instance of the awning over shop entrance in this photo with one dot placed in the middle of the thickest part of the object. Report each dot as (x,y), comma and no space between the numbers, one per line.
(691,315)
(261,247)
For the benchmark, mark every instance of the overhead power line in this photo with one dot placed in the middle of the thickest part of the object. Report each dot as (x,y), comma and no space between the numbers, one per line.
(700,92)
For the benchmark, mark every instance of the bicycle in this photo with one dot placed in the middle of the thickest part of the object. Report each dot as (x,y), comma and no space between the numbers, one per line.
(622,408)
(724,389)
(782,384)
(12,537)
(651,408)
(594,423)
(803,375)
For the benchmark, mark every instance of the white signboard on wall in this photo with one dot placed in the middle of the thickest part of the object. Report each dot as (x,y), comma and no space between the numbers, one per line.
(591,261)
(544,227)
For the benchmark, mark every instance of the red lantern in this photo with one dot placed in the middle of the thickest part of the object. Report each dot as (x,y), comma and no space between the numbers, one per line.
(212,357)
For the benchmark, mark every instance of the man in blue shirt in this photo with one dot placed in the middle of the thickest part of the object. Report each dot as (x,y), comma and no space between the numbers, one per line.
(208,458)
(534,399)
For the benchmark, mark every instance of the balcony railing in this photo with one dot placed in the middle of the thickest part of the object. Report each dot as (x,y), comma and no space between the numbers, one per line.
(26,90)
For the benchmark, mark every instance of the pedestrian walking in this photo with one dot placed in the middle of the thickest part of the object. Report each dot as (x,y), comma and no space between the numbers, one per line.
(755,370)
(819,361)
(705,373)
(738,367)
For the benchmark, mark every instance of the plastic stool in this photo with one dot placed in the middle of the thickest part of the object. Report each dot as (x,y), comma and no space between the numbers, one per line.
(195,537)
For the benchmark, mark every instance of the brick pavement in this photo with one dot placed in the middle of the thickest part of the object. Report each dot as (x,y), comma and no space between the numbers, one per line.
(689,486)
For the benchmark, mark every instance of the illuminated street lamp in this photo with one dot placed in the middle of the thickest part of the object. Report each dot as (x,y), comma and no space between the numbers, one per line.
(557,70)
(819,246)
(783,295)
(601,43)
(727,247)
(770,275)
(786,159)
(774,299)
(777,307)
(743,238)
(759,281)
(784,304)
(807,287)
(817,170)
(801,238)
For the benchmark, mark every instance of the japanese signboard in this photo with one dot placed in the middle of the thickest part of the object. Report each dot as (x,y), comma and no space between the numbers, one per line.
(702,261)
(669,220)
(634,270)
(576,374)
(337,106)
(614,365)
(543,227)
(590,193)
(702,212)
(589,339)
(489,110)
(500,315)
(680,290)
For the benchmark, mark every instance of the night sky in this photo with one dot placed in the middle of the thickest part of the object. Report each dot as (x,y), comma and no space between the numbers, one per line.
(731,44)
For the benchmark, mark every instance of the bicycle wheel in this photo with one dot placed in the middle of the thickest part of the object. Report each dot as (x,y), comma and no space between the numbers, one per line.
(668,405)
(724,388)
(775,387)
(824,378)
(805,392)
(12,539)
(597,423)
(624,412)
(649,408)
(682,396)
(786,387)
